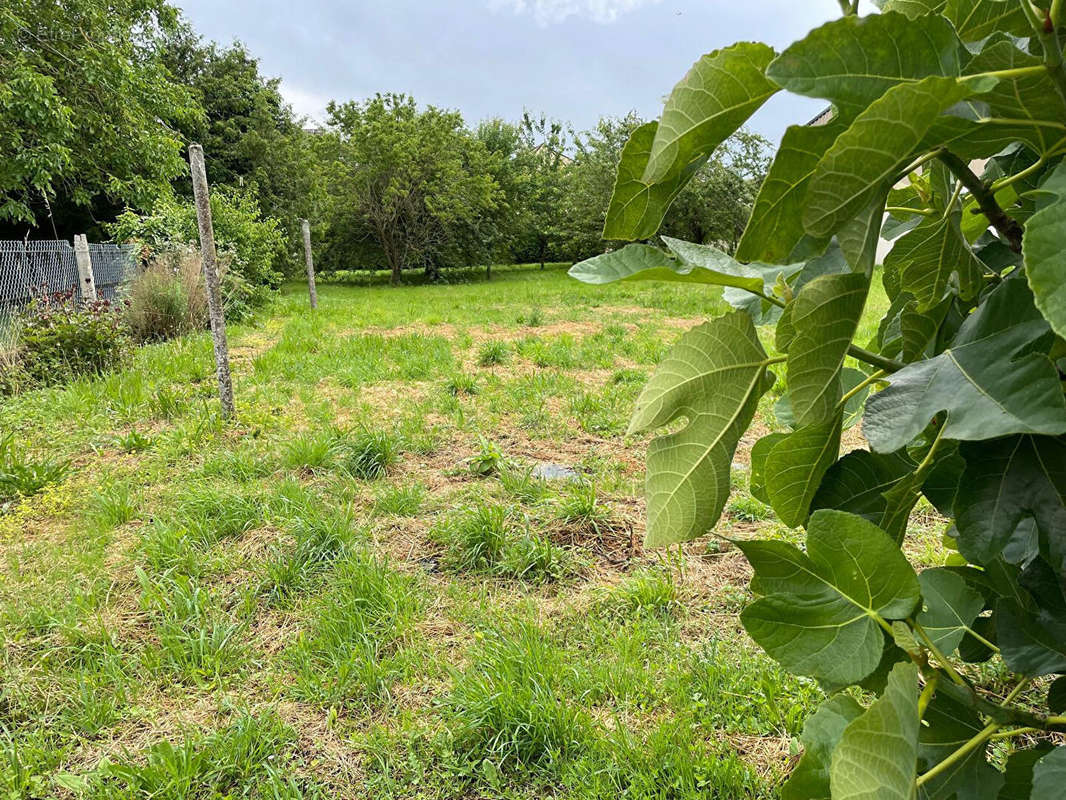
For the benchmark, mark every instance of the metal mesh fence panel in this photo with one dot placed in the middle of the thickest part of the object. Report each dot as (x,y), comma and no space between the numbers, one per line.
(34,268)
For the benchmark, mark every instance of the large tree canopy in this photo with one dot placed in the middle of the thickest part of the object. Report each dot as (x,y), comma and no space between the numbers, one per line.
(405,177)
(88,111)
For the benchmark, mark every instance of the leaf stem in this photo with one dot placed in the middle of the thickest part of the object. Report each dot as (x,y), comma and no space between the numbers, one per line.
(873,378)
(924,212)
(1047,31)
(874,359)
(1004,182)
(986,733)
(1012,732)
(1016,72)
(1017,690)
(951,671)
(1010,229)
(954,199)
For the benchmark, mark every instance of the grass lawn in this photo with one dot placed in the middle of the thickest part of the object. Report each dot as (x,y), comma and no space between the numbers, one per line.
(361,588)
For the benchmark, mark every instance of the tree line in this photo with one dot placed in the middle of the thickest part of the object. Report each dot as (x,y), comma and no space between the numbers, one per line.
(101,100)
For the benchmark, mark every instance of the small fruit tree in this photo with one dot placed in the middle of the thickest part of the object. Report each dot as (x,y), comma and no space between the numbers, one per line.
(947,135)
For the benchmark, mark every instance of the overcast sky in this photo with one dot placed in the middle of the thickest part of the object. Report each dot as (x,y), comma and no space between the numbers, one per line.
(575,60)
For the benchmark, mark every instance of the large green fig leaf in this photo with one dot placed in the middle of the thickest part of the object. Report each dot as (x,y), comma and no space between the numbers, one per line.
(821,733)
(1006,481)
(823,319)
(949,608)
(713,377)
(718,95)
(925,261)
(877,755)
(759,451)
(775,229)
(1049,775)
(794,468)
(821,610)
(637,208)
(993,381)
(853,61)
(642,262)
(912,8)
(1042,245)
(858,482)
(1030,102)
(1032,639)
(975,20)
(867,158)
(946,726)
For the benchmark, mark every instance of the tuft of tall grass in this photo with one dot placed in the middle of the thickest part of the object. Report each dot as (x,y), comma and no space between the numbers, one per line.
(320,538)
(236,761)
(507,711)
(493,352)
(483,539)
(353,651)
(369,454)
(197,642)
(400,501)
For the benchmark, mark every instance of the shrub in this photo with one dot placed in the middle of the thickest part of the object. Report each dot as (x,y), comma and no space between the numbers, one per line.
(61,338)
(167,299)
(247,243)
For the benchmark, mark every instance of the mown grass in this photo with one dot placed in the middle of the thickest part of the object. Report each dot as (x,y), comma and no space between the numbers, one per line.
(361,588)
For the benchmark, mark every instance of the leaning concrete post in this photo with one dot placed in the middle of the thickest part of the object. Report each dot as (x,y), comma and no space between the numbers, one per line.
(86,281)
(310,263)
(210,265)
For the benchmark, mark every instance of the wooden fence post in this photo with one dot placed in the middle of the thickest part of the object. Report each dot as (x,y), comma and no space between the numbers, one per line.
(310,263)
(86,281)
(211,285)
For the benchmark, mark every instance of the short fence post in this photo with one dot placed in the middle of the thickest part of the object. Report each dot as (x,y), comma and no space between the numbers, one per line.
(310,263)
(211,285)
(86,281)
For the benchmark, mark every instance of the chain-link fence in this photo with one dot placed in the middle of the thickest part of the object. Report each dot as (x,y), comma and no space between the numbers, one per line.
(29,269)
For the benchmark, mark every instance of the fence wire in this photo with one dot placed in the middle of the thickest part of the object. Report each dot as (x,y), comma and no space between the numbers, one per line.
(33,268)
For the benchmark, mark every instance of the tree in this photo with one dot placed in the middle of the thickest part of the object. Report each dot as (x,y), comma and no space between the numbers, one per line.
(960,393)
(412,181)
(89,112)
(253,140)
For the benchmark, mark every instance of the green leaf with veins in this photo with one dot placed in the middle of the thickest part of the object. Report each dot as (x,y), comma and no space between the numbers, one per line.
(642,262)
(713,377)
(1031,100)
(867,158)
(637,209)
(949,608)
(821,734)
(857,483)
(946,726)
(1032,640)
(1006,481)
(877,755)
(775,228)
(718,95)
(759,451)
(860,236)
(853,61)
(821,610)
(995,380)
(823,319)
(794,468)
(932,257)
(1042,244)
(912,8)
(975,20)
